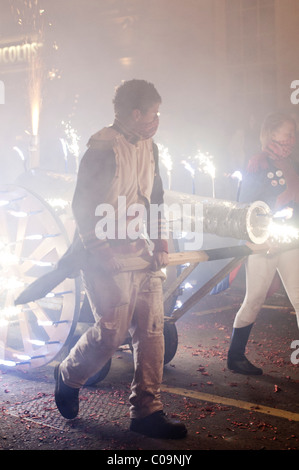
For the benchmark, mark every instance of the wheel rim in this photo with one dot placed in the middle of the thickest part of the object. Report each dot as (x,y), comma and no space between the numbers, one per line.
(32,239)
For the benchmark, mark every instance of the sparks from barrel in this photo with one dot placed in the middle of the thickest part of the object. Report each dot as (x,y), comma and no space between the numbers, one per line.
(282,233)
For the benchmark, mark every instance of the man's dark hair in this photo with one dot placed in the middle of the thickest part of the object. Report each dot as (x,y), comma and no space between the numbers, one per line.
(135,94)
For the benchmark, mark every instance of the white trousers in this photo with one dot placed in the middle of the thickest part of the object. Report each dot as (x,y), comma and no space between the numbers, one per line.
(260,271)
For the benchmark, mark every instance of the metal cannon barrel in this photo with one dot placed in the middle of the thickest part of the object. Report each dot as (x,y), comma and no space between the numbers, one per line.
(248,222)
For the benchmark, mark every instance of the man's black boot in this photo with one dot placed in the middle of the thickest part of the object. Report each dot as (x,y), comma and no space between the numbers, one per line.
(236,360)
(66,398)
(157,425)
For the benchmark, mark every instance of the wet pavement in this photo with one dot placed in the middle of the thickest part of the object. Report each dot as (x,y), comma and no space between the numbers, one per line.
(222,410)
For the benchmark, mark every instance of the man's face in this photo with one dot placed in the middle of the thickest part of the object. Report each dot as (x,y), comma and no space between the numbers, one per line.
(145,125)
(151,114)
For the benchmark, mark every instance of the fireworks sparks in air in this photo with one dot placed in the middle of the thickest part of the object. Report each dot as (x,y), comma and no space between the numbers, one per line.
(30,17)
(202,162)
(70,144)
(281,231)
(166,161)
(32,20)
(281,234)
(205,165)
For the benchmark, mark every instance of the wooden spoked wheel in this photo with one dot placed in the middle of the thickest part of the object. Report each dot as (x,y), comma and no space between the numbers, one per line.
(32,239)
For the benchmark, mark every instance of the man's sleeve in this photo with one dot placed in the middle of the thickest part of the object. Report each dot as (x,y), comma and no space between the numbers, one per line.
(94,177)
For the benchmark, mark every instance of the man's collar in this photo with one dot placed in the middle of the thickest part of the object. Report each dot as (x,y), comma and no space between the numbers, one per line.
(128,134)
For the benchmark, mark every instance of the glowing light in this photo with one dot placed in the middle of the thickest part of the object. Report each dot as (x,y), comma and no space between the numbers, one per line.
(19,152)
(72,142)
(22,357)
(8,259)
(238,175)
(30,16)
(285,213)
(202,162)
(4,203)
(45,323)
(189,167)
(34,237)
(58,294)
(35,91)
(39,236)
(126,61)
(35,109)
(18,213)
(9,313)
(206,165)
(37,342)
(188,285)
(58,203)
(50,323)
(166,160)
(39,263)
(8,363)
(282,233)
(22,213)
(11,283)
(53,74)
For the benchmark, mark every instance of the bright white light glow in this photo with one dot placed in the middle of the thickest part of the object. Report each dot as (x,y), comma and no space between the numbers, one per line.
(3,203)
(22,357)
(189,167)
(166,161)
(237,174)
(8,313)
(19,152)
(8,363)
(8,259)
(188,285)
(58,203)
(18,213)
(11,283)
(36,342)
(282,233)
(286,213)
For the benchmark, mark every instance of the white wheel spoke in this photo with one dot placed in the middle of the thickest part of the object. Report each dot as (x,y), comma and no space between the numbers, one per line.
(32,239)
